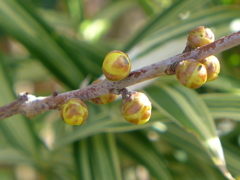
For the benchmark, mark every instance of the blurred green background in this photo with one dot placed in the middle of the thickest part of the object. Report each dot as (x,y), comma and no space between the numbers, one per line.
(49,45)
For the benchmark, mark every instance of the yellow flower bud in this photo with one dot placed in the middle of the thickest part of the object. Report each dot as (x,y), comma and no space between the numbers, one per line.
(104,99)
(213,67)
(200,36)
(116,65)
(74,112)
(136,108)
(191,73)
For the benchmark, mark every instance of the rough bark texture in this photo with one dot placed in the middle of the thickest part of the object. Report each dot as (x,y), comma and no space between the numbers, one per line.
(30,106)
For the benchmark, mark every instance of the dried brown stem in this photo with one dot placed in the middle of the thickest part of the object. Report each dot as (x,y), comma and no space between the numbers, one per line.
(37,105)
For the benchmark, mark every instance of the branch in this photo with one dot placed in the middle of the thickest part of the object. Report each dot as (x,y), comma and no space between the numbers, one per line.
(30,106)
(13,108)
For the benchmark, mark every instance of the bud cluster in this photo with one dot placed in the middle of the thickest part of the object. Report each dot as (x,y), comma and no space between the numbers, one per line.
(194,73)
(136,107)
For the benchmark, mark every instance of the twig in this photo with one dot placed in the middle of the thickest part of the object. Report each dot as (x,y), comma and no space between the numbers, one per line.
(37,105)
(13,108)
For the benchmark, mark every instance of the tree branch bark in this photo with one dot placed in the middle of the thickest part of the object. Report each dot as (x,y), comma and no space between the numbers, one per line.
(30,106)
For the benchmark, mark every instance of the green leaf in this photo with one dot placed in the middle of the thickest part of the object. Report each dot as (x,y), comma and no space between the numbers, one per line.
(138,147)
(62,164)
(87,57)
(76,10)
(231,85)
(189,154)
(187,109)
(233,160)
(170,15)
(20,24)
(83,167)
(93,30)
(177,28)
(12,156)
(100,120)
(98,158)
(105,156)
(223,105)
(16,128)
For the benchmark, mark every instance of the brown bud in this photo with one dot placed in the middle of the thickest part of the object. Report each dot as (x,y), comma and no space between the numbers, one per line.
(213,67)
(136,108)
(74,112)
(116,65)
(191,73)
(200,36)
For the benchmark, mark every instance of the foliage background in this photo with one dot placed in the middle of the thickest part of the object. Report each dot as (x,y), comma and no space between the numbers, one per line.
(60,44)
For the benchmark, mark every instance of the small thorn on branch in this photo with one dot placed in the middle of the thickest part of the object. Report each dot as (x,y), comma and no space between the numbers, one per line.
(124,92)
(55,93)
(23,96)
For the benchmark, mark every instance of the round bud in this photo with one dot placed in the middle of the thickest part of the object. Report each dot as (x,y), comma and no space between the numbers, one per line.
(116,65)
(213,67)
(200,36)
(74,112)
(104,99)
(136,108)
(191,73)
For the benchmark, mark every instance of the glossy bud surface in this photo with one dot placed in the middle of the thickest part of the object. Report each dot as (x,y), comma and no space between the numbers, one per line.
(116,65)
(136,109)
(213,67)
(74,112)
(191,73)
(200,36)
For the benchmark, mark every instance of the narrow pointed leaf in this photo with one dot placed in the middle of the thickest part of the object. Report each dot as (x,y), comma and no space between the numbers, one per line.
(12,156)
(17,22)
(163,19)
(104,157)
(84,169)
(197,159)
(177,28)
(139,148)
(188,110)
(223,105)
